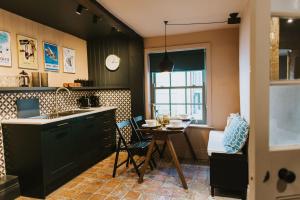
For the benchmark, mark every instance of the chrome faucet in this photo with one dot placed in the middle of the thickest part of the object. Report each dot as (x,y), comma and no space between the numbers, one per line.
(56,93)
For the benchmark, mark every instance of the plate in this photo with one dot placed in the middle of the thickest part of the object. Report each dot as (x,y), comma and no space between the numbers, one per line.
(174,127)
(147,126)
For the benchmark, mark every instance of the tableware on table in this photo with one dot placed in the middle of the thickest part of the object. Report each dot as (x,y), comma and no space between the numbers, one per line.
(151,122)
(184,116)
(166,119)
(152,127)
(171,127)
(175,123)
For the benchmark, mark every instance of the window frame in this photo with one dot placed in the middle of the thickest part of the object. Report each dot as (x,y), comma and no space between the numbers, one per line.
(186,87)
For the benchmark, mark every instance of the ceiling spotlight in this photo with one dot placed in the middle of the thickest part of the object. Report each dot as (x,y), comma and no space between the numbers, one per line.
(233,18)
(79,9)
(290,20)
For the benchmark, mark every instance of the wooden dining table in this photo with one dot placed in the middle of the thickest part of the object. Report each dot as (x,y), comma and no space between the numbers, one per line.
(163,134)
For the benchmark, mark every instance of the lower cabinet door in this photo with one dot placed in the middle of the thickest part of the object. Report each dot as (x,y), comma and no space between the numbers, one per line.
(57,149)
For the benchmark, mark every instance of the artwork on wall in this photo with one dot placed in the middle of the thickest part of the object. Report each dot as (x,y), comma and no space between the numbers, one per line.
(69,60)
(51,56)
(27,52)
(5,51)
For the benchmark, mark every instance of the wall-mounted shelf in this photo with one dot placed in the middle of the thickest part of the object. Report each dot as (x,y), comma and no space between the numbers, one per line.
(51,89)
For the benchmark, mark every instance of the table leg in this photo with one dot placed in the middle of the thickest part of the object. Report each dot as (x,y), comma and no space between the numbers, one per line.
(176,162)
(148,157)
(190,145)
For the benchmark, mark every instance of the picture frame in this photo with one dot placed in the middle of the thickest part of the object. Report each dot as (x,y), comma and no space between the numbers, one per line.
(51,56)
(27,48)
(69,60)
(5,49)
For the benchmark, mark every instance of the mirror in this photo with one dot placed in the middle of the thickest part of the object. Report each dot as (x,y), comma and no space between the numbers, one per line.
(285,48)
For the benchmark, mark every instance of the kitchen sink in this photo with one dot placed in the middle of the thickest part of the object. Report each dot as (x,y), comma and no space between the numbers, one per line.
(60,114)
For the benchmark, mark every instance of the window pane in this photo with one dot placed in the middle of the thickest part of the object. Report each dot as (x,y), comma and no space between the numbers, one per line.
(177,95)
(194,78)
(162,96)
(163,109)
(162,79)
(195,111)
(177,109)
(177,79)
(194,95)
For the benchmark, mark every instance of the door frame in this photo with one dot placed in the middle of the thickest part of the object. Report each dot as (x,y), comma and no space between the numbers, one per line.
(261,158)
(259,98)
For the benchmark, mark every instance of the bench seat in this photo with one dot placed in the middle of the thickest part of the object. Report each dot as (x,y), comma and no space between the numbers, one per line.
(215,143)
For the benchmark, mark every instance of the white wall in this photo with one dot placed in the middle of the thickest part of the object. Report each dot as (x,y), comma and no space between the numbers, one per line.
(244,61)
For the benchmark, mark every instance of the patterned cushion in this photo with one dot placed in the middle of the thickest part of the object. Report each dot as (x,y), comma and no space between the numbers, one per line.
(236,135)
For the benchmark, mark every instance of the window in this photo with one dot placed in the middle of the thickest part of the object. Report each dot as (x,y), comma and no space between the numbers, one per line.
(181,92)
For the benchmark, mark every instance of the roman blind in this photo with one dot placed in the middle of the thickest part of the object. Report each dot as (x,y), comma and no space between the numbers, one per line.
(189,60)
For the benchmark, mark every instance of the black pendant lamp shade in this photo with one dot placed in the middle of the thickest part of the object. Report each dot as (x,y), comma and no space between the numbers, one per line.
(166,65)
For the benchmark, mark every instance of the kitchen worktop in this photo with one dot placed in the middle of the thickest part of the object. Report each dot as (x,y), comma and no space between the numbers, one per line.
(34,121)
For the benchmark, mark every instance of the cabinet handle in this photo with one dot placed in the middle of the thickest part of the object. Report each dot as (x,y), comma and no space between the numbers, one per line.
(63,124)
(90,117)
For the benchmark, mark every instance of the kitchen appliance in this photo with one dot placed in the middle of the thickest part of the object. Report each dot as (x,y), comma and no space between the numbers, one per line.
(24,79)
(44,79)
(94,100)
(28,107)
(84,102)
(35,79)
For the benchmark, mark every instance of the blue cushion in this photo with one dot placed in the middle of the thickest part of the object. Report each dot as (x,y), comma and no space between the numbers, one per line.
(236,135)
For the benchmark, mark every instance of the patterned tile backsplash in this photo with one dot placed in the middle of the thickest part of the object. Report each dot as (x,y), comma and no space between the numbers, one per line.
(119,98)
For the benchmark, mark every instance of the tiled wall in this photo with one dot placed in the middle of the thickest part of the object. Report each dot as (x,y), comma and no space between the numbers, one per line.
(118,98)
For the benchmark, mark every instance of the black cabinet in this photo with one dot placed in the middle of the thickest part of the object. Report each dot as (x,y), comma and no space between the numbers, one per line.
(45,157)
(57,147)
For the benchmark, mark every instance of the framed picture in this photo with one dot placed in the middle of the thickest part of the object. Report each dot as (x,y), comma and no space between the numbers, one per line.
(51,56)
(69,60)
(27,52)
(5,50)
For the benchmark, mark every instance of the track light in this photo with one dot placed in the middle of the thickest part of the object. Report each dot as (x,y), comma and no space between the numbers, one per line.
(233,18)
(79,9)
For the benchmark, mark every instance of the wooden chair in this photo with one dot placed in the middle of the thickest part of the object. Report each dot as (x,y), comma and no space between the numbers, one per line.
(132,148)
(137,123)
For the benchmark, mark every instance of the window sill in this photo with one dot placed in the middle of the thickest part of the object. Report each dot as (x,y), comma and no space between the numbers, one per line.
(202,126)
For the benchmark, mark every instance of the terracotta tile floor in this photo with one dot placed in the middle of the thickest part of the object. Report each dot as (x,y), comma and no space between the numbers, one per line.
(160,184)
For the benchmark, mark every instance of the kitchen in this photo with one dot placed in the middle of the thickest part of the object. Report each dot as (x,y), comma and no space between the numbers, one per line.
(73,72)
(36,89)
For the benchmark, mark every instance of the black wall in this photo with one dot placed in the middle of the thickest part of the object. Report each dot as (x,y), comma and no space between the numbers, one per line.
(131,71)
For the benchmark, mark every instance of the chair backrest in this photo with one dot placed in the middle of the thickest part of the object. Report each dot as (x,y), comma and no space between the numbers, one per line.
(120,126)
(136,123)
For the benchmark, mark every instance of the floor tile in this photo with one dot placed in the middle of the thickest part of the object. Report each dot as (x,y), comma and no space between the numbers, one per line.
(161,183)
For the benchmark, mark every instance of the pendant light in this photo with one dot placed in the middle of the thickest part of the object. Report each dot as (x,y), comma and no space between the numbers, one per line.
(166,65)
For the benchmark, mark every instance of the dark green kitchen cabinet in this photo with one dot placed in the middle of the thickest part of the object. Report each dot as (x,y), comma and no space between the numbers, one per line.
(44,157)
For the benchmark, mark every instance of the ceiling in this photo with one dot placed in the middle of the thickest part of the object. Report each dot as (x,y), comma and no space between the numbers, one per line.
(60,14)
(146,16)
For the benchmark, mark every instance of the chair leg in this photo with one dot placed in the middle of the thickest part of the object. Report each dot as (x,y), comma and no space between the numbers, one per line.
(212,191)
(116,163)
(127,162)
(116,159)
(134,163)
